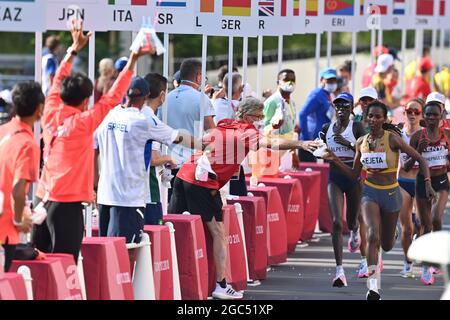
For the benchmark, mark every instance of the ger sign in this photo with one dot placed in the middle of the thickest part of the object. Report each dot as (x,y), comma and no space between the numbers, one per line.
(60,13)
(22,16)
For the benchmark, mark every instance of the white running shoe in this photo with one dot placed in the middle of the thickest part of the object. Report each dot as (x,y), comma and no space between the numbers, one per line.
(363,272)
(373,293)
(354,241)
(407,271)
(340,280)
(227,293)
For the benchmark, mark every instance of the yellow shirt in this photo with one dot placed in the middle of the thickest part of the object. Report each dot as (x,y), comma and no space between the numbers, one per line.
(443,80)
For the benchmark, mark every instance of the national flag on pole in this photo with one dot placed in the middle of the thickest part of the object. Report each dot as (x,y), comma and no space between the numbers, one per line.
(382,7)
(424,7)
(312,8)
(207,6)
(340,7)
(296,8)
(442,8)
(266,8)
(170,3)
(128,2)
(242,8)
(399,7)
(283,12)
(361,7)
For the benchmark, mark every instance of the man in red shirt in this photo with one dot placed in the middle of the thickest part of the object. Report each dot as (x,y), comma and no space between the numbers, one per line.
(196,187)
(420,88)
(19,165)
(369,71)
(68,175)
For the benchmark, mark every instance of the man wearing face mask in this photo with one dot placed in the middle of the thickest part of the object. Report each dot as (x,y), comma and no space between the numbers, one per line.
(317,110)
(224,107)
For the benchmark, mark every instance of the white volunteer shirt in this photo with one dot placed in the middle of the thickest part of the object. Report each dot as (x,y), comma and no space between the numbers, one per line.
(121,139)
(225,110)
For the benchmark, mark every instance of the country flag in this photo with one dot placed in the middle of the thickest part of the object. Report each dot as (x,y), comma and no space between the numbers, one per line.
(207,6)
(424,7)
(382,7)
(171,3)
(340,7)
(312,8)
(361,7)
(399,7)
(266,8)
(128,2)
(296,8)
(241,8)
(283,12)
(442,8)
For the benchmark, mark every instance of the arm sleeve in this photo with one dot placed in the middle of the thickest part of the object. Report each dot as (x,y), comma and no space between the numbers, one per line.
(308,108)
(53,99)
(208,108)
(269,111)
(93,117)
(50,68)
(159,131)
(27,164)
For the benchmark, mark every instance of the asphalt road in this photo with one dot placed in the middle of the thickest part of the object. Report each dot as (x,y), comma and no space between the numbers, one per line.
(308,274)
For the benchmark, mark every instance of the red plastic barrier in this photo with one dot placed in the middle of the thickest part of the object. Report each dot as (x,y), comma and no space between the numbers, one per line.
(255,227)
(191,254)
(12,287)
(325,220)
(106,268)
(310,182)
(162,261)
(276,224)
(291,194)
(54,278)
(235,270)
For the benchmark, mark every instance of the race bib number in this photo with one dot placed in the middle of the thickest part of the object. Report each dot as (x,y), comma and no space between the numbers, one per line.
(374,160)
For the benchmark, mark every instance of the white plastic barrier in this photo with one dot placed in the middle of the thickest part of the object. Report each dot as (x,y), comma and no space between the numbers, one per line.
(176,274)
(143,282)
(239,213)
(81,276)
(26,274)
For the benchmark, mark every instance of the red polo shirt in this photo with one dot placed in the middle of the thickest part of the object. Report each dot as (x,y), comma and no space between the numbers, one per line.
(230,143)
(19,160)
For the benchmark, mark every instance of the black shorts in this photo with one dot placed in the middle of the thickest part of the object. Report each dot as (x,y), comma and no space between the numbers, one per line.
(196,200)
(153,213)
(125,222)
(439,183)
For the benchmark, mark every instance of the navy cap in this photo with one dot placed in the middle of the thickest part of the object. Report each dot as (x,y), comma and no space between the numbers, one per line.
(120,63)
(394,53)
(177,76)
(344,96)
(138,88)
(328,73)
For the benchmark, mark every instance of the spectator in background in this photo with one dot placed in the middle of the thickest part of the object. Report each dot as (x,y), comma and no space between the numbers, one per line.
(420,87)
(176,79)
(5,106)
(411,68)
(19,165)
(366,96)
(224,107)
(106,79)
(369,72)
(50,62)
(223,70)
(67,179)
(442,81)
(344,72)
(120,64)
(266,94)
(317,110)
(185,107)
(385,64)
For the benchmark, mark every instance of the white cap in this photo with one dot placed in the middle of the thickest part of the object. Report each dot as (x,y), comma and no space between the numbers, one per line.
(436,97)
(384,62)
(368,92)
(6,95)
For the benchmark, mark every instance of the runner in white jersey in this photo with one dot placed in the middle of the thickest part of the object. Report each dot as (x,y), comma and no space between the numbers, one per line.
(407,181)
(433,143)
(340,137)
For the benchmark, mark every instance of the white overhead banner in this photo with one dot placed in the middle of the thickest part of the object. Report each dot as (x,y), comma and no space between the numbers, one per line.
(22,15)
(274,17)
(444,15)
(174,16)
(125,15)
(378,13)
(341,15)
(401,14)
(60,13)
(426,13)
(309,14)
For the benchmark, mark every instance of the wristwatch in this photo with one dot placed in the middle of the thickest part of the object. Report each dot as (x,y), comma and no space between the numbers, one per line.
(352,145)
(71,51)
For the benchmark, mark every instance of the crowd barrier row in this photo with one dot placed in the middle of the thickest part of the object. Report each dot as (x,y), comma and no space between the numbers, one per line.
(175,260)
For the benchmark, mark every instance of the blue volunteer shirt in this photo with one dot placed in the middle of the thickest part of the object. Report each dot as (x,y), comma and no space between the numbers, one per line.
(314,114)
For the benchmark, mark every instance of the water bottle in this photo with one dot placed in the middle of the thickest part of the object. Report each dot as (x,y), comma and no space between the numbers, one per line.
(253,181)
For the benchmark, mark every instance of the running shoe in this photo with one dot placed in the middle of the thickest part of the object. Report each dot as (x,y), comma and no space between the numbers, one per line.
(373,293)
(380,263)
(427,277)
(340,280)
(407,271)
(227,293)
(363,272)
(434,270)
(354,241)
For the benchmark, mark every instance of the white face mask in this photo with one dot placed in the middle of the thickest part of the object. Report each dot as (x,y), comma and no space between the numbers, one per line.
(330,87)
(287,86)
(259,125)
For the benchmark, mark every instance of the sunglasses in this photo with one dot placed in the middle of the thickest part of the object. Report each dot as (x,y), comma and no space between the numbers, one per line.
(342,105)
(413,111)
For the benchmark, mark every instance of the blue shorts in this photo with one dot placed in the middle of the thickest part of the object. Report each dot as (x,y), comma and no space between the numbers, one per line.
(389,200)
(153,213)
(125,222)
(342,181)
(409,185)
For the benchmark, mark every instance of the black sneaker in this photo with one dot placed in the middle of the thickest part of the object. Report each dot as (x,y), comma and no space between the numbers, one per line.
(373,295)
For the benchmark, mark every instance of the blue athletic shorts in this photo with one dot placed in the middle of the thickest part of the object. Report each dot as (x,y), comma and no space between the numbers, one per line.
(125,222)
(389,200)
(153,213)
(409,185)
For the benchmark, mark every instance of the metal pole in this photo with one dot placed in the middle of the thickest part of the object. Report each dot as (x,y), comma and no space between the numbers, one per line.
(317,58)
(259,68)
(380,37)
(329,45)
(37,78)
(433,53)
(164,190)
(280,53)
(372,45)
(230,69)
(202,101)
(166,56)
(354,43)
(403,62)
(244,59)
(441,47)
